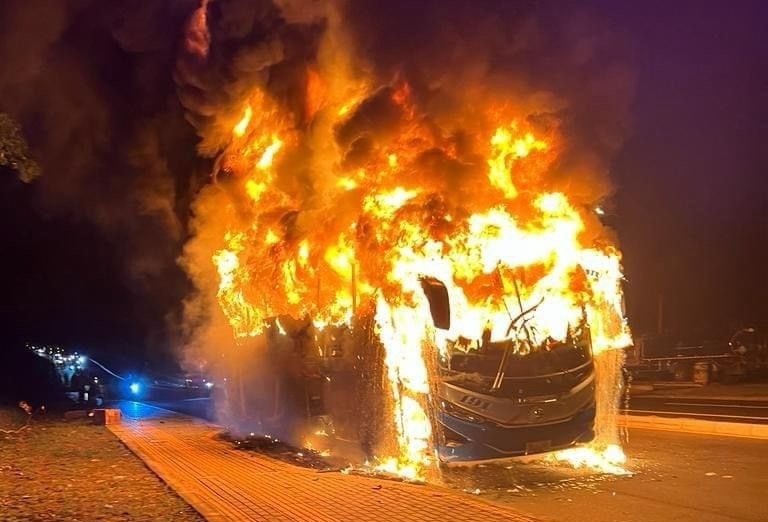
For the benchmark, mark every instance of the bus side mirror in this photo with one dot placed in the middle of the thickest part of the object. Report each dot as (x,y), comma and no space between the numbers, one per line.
(439,304)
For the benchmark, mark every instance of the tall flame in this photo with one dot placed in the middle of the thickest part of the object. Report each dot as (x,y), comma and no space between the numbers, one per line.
(320,232)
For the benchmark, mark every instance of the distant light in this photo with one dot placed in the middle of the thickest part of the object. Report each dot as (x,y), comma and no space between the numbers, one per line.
(135,388)
(600,211)
(81,360)
(209,385)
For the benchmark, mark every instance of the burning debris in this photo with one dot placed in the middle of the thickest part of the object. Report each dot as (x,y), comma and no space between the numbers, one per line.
(280,450)
(610,460)
(391,256)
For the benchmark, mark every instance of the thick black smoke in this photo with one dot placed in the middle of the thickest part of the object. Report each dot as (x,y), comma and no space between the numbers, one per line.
(551,62)
(90,83)
(549,59)
(118,111)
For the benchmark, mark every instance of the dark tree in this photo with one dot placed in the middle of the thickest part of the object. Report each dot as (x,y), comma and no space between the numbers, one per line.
(14,151)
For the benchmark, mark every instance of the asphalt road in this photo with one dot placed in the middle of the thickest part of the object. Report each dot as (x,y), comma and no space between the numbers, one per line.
(675,476)
(201,407)
(728,410)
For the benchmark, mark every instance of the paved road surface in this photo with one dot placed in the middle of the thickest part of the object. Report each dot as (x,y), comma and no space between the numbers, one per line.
(200,407)
(226,484)
(676,476)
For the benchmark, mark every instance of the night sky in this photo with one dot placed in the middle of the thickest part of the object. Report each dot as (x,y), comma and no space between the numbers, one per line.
(692,189)
(690,208)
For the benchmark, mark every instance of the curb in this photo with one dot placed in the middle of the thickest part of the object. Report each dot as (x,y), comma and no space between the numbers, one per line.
(697,426)
(742,398)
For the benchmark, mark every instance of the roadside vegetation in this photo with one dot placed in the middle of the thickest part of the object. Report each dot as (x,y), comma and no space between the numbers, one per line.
(69,469)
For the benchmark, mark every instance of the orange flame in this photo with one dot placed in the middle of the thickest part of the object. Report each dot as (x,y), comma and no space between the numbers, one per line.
(366,232)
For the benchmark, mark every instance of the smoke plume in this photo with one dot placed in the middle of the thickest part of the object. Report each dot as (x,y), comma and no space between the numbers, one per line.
(90,83)
(128,106)
(556,68)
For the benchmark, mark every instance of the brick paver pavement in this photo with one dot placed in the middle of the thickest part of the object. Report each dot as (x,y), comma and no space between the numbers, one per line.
(223,483)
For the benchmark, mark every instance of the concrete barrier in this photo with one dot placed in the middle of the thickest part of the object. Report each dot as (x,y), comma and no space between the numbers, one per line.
(697,426)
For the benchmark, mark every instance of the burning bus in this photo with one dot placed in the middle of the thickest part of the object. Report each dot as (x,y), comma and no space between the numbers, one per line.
(326,387)
(431,362)
(518,395)
(485,311)
(415,268)
(491,399)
